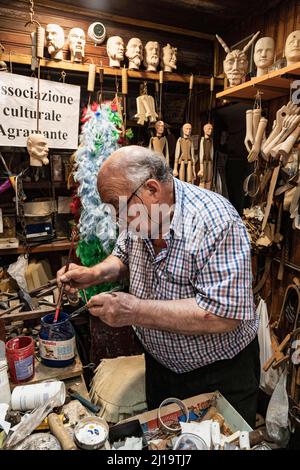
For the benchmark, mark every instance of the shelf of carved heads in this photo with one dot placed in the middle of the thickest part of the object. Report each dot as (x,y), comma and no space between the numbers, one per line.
(109,71)
(274,84)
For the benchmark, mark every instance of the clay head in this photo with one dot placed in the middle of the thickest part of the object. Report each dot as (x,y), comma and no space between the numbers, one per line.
(76,40)
(236,63)
(169,58)
(37,147)
(292,47)
(115,50)
(134,52)
(186,129)
(160,128)
(264,52)
(55,40)
(151,59)
(235,67)
(208,129)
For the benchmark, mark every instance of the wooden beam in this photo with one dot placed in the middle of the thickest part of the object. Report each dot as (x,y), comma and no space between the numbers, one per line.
(110,71)
(121,19)
(30,315)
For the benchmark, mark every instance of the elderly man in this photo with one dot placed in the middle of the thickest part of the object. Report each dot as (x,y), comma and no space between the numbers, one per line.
(190,300)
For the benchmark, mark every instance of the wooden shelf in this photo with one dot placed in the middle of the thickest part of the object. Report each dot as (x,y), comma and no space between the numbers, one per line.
(60,245)
(273,85)
(43,372)
(109,71)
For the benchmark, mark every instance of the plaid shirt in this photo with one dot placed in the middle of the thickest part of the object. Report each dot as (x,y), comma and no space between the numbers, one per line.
(207,257)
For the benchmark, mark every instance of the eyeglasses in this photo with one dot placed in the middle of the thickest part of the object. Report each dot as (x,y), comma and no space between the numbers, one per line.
(130,198)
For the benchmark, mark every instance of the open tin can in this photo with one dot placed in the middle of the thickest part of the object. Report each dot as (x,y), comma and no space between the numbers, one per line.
(91,433)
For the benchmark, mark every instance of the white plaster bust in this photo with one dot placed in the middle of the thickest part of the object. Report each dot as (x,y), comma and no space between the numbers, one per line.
(169,58)
(264,53)
(76,40)
(134,53)
(292,47)
(37,146)
(115,50)
(55,40)
(151,58)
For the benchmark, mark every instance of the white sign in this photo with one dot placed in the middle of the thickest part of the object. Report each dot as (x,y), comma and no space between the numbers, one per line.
(59,107)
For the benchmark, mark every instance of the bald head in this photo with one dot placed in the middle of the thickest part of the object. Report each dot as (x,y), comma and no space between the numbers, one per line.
(127,168)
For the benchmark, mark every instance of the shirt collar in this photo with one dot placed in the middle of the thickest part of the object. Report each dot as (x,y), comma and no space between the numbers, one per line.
(176,223)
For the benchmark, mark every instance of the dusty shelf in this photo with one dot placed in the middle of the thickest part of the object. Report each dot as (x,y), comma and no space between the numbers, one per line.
(273,85)
(109,71)
(60,245)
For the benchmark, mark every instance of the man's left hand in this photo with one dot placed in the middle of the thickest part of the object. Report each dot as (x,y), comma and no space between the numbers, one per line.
(116,309)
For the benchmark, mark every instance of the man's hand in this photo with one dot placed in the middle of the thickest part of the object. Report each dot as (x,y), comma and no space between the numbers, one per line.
(116,309)
(77,277)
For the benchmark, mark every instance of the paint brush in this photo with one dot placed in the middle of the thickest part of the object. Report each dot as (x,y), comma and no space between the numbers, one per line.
(62,288)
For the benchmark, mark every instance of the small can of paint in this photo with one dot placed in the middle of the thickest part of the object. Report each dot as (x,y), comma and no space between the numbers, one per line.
(20,358)
(57,341)
(91,433)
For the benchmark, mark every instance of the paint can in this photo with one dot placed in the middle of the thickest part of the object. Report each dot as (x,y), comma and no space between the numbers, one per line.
(57,341)
(20,358)
(28,397)
(91,433)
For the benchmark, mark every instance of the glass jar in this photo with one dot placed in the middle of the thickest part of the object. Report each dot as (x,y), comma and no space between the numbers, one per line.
(57,341)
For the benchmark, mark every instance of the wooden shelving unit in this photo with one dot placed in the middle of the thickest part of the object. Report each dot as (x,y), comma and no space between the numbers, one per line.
(273,85)
(61,245)
(109,71)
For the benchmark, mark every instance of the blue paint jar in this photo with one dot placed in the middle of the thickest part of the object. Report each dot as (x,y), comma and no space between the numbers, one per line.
(57,341)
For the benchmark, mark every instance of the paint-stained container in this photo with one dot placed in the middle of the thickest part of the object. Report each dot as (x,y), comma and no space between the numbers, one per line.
(20,358)
(57,341)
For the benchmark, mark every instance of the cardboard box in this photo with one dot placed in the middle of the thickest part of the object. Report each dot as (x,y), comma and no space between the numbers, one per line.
(169,413)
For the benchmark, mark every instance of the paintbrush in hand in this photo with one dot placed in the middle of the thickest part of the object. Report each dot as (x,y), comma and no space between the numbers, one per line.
(62,287)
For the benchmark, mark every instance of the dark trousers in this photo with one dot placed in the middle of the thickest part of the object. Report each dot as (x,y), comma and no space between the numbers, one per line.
(237,379)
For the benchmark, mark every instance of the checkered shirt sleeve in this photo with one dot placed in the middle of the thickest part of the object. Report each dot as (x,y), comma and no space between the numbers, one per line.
(224,284)
(121,247)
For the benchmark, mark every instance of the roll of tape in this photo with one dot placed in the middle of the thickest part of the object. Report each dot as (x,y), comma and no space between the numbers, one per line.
(182,406)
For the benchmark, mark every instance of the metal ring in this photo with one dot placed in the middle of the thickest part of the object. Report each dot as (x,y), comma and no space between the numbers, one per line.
(182,406)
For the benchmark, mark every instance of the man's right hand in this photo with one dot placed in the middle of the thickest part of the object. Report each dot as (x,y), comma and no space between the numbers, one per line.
(77,277)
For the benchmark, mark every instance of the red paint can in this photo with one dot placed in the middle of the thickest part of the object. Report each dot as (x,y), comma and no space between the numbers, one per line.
(20,358)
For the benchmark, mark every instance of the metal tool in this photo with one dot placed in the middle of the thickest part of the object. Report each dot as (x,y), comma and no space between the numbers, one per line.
(88,404)
(82,309)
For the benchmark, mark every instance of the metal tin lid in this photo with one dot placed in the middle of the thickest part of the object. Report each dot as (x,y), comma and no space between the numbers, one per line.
(91,433)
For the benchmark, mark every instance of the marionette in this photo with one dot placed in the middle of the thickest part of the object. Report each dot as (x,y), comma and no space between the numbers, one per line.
(185,156)
(159,143)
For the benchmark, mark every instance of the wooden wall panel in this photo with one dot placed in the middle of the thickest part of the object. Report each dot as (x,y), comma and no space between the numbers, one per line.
(194,54)
(278,22)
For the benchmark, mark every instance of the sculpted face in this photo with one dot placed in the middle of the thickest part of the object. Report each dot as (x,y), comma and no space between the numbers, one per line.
(235,67)
(134,52)
(115,48)
(38,149)
(170,57)
(292,47)
(264,53)
(187,130)
(55,38)
(76,41)
(160,128)
(208,129)
(152,53)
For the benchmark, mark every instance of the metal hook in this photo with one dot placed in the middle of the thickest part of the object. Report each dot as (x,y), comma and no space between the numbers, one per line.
(33,22)
(63,76)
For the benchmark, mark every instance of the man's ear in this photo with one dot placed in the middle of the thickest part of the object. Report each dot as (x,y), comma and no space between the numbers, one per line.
(153,186)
